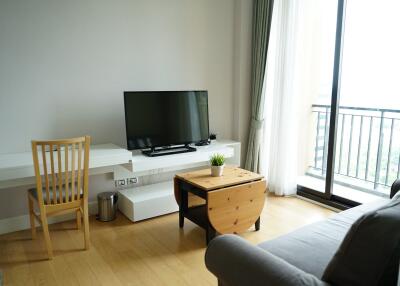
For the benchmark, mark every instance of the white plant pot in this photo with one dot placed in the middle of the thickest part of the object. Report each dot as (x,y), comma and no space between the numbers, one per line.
(217,171)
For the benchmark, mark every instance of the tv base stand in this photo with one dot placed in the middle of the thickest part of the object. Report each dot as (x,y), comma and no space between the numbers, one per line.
(155,152)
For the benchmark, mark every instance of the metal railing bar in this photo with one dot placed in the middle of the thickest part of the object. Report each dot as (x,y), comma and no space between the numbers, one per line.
(354,169)
(341,143)
(364,115)
(389,152)
(377,117)
(359,145)
(325,143)
(350,143)
(371,121)
(351,186)
(359,108)
(353,177)
(316,140)
(374,116)
(389,118)
(379,153)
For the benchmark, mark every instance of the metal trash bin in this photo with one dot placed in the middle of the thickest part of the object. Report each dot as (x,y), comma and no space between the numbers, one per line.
(107,206)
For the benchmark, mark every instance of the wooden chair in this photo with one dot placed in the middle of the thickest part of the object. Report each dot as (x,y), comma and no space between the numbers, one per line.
(61,169)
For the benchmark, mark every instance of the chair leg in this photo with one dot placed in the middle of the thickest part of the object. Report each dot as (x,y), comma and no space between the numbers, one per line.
(86,224)
(46,234)
(78,219)
(32,217)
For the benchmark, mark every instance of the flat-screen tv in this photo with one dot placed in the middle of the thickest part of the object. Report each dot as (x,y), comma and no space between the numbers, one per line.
(164,118)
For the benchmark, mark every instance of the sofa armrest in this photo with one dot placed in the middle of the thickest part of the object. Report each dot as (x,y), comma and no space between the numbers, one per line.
(395,188)
(236,262)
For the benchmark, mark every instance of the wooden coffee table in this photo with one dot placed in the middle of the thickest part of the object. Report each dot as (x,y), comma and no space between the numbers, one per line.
(228,204)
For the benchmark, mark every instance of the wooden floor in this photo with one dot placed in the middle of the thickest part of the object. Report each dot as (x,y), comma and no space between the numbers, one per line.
(152,252)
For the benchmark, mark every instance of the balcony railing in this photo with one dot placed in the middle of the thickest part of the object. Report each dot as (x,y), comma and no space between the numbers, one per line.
(367,146)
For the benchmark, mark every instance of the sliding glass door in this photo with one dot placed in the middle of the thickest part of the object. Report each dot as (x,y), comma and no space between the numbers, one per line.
(368,143)
(316,43)
(354,154)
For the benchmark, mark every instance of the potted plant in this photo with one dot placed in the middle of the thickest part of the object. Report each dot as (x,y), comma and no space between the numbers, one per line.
(217,162)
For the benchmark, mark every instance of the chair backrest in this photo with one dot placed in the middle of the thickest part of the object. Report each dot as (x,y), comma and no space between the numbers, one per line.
(61,169)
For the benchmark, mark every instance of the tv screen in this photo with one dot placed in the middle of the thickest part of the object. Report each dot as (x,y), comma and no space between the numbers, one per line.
(163,118)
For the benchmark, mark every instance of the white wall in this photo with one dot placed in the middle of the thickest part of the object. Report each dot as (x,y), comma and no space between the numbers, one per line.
(65,64)
(242,73)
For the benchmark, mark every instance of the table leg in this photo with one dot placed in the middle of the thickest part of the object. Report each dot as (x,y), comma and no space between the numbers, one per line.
(210,233)
(257,224)
(183,204)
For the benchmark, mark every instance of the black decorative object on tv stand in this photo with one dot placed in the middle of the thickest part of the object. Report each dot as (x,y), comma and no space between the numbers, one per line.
(213,136)
(162,151)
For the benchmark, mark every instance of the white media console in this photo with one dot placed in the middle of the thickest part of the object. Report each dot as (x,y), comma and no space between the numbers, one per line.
(152,200)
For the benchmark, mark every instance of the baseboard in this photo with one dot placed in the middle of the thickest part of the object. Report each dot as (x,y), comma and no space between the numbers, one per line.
(18,223)
(318,203)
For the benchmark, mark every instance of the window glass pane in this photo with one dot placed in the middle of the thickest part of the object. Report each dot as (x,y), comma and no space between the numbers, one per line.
(315,56)
(368,134)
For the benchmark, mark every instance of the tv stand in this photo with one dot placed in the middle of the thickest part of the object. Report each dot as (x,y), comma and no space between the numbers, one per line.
(155,195)
(162,151)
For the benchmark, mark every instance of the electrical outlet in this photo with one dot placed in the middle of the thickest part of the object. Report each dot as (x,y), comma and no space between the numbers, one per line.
(120,183)
(125,182)
(131,181)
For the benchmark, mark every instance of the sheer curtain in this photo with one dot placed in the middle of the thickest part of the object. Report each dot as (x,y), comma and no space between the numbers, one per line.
(279,153)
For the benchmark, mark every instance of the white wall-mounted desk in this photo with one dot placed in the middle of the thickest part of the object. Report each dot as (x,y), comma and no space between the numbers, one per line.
(16,169)
(137,203)
(142,165)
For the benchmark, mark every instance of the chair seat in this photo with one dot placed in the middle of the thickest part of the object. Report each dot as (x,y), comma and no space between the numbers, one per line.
(33,193)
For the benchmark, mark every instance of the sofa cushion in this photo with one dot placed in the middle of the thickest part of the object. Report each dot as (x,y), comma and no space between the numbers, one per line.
(237,262)
(370,250)
(312,247)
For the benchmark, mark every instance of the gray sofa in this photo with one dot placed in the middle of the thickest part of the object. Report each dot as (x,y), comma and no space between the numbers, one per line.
(359,246)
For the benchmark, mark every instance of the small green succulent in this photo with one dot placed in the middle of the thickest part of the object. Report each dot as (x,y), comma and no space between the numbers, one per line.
(217,160)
